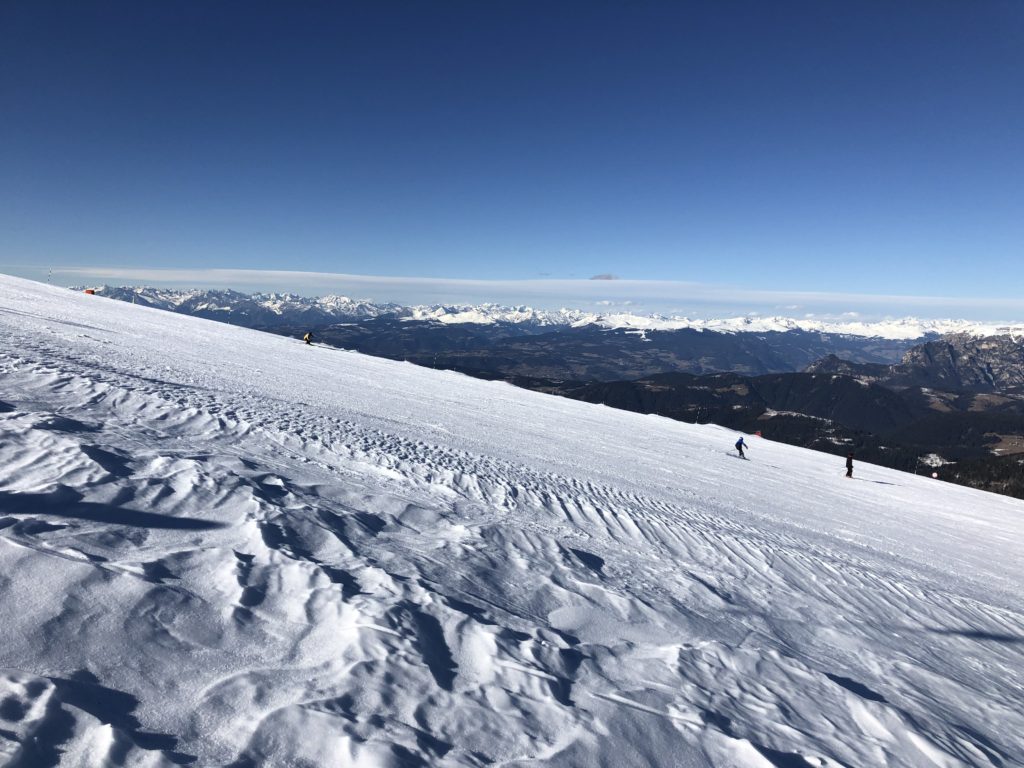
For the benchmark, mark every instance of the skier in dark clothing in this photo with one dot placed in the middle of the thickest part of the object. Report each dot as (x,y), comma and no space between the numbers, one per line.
(849,464)
(740,445)
(308,338)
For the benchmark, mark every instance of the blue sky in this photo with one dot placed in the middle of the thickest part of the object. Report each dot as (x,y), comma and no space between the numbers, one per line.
(750,151)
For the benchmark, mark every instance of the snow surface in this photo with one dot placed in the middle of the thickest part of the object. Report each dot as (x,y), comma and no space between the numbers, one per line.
(225,547)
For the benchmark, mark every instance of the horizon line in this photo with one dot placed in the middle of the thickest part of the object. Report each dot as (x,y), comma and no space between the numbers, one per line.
(597,291)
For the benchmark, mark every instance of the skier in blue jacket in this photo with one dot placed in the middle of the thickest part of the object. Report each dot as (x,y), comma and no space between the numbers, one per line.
(740,445)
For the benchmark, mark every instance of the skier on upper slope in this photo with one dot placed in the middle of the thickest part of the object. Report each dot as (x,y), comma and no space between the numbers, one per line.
(740,445)
(308,338)
(849,464)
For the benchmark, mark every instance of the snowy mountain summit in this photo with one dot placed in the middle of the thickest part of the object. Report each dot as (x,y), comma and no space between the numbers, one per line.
(223,547)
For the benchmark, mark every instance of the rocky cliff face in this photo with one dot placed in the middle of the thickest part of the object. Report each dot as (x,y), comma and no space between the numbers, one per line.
(960,361)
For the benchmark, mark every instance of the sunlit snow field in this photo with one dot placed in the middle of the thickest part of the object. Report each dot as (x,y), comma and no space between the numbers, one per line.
(223,547)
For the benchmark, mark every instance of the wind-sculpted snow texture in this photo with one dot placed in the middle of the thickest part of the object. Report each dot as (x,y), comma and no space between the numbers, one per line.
(221,547)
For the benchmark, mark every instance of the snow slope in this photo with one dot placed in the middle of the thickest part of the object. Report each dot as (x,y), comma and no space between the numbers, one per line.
(228,548)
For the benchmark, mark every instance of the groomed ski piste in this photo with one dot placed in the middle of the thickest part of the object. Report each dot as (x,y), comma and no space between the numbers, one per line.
(226,548)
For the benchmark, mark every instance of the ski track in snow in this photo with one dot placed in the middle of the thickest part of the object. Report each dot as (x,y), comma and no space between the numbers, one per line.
(221,547)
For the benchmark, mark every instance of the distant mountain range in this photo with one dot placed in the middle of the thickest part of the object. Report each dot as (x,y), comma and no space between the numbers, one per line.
(564,344)
(276,309)
(272,310)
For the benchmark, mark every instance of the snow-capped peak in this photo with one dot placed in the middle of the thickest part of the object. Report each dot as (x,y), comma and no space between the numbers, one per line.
(902,328)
